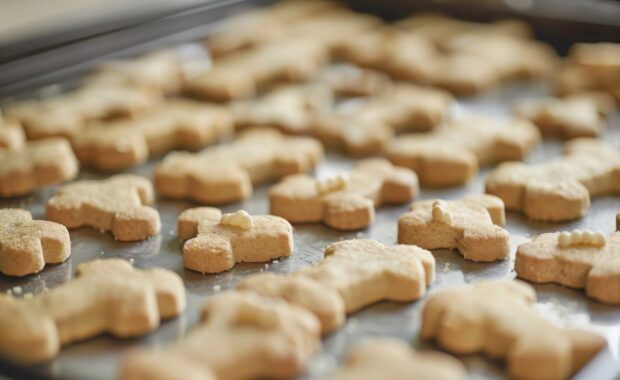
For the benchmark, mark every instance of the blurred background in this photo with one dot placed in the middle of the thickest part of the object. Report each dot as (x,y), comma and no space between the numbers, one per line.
(42,42)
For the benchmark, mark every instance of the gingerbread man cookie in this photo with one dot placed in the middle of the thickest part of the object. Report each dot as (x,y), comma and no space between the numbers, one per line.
(36,165)
(241,74)
(580,115)
(321,300)
(578,259)
(159,71)
(498,318)
(291,109)
(26,245)
(364,271)
(451,156)
(107,296)
(116,204)
(561,189)
(214,242)
(343,202)
(389,358)
(175,124)
(272,339)
(11,134)
(67,114)
(226,173)
(470,225)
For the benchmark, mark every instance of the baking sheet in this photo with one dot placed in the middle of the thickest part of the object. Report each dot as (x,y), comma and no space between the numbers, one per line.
(98,358)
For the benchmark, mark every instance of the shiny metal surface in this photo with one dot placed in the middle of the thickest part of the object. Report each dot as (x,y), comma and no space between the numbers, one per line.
(97,358)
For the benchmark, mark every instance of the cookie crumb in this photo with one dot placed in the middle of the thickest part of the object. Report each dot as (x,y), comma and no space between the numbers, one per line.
(217,288)
(132,260)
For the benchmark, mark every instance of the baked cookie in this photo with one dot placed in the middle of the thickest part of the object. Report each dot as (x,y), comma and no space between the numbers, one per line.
(471,225)
(354,136)
(451,155)
(214,242)
(579,115)
(343,202)
(107,296)
(352,81)
(26,245)
(364,272)
(389,358)
(226,173)
(241,74)
(117,204)
(272,339)
(321,300)
(291,109)
(578,259)
(36,165)
(159,71)
(67,114)
(561,189)
(498,318)
(11,134)
(175,124)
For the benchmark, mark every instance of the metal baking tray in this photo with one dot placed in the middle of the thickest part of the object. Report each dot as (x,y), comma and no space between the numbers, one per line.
(98,358)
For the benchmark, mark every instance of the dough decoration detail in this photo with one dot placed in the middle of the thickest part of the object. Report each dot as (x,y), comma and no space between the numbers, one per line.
(239,219)
(578,237)
(440,212)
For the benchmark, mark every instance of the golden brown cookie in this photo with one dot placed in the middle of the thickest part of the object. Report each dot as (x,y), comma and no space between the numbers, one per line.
(226,173)
(470,225)
(345,202)
(117,204)
(107,296)
(498,318)
(26,245)
(214,242)
(36,165)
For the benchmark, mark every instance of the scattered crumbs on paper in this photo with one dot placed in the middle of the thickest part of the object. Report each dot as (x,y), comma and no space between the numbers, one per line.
(446,268)
(217,287)
(276,261)
(101,253)
(267,266)
(17,290)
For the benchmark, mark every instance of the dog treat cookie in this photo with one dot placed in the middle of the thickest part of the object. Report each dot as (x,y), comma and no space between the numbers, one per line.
(175,124)
(291,109)
(272,339)
(352,81)
(498,318)
(26,245)
(353,135)
(407,107)
(67,114)
(451,156)
(578,259)
(116,204)
(389,358)
(258,26)
(11,134)
(470,225)
(321,300)
(561,189)
(226,173)
(343,202)
(575,116)
(214,242)
(36,165)
(107,296)
(240,75)
(365,271)
(159,71)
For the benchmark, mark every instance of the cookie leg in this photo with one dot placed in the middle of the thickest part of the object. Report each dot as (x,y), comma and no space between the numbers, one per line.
(139,224)
(348,212)
(208,255)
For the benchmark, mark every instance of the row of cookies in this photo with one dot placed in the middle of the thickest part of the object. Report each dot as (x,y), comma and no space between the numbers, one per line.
(353,275)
